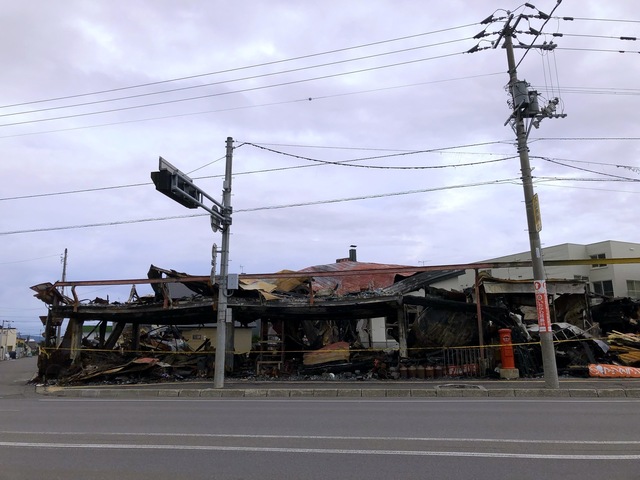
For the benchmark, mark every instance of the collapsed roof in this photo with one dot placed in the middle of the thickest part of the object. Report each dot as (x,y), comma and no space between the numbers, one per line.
(316,306)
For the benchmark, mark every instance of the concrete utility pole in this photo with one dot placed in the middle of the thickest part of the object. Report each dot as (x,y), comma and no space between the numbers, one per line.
(64,279)
(224,341)
(2,341)
(525,105)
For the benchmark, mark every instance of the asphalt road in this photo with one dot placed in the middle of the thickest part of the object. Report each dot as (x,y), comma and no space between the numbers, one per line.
(14,376)
(312,438)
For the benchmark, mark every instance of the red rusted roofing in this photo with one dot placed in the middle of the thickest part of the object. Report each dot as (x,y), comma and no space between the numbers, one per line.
(374,276)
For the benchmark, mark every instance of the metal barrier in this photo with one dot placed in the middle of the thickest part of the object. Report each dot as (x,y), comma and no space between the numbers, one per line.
(467,362)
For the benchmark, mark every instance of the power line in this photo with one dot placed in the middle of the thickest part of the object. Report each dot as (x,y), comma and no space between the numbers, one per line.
(103,224)
(306,99)
(234,80)
(264,64)
(382,167)
(70,192)
(266,170)
(584,35)
(162,117)
(27,260)
(598,90)
(580,139)
(442,150)
(601,50)
(311,203)
(574,179)
(319,163)
(589,170)
(542,183)
(539,31)
(381,195)
(272,207)
(244,90)
(596,19)
(210,163)
(591,162)
(378,149)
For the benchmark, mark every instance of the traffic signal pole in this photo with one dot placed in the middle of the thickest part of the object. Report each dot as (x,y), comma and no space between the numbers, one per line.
(180,188)
(539,275)
(223,350)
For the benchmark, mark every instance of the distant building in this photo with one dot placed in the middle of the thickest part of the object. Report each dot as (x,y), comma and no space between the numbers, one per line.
(8,339)
(619,280)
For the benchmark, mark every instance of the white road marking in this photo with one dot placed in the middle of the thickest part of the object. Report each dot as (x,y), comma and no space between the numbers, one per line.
(325,451)
(331,437)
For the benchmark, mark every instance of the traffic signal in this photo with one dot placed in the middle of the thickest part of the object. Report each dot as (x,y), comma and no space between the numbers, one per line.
(176,185)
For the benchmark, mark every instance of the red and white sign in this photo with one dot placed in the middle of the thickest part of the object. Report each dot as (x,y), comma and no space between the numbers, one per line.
(542,306)
(613,371)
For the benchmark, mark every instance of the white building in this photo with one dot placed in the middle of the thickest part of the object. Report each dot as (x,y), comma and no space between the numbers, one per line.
(8,337)
(615,280)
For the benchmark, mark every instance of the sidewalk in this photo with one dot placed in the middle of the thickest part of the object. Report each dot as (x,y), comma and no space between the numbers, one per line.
(523,388)
(15,375)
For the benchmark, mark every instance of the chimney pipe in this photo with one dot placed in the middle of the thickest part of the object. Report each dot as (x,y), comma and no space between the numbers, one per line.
(352,253)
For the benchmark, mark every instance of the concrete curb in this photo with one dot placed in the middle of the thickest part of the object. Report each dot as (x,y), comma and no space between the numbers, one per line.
(441,391)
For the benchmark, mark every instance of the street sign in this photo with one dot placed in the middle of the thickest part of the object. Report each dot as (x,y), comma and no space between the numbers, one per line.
(542,306)
(536,212)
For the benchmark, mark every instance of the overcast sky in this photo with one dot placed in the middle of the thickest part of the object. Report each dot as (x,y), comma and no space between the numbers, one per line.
(94,92)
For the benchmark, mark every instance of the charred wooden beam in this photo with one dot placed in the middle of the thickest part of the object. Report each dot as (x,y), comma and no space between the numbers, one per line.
(354,308)
(115,335)
(75,326)
(135,337)
(102,332)
(402,332)
(181,312)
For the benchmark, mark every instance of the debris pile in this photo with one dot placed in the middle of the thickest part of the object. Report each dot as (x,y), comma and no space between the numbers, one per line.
(617,314)
(351,320)
(626,347)
(162,355)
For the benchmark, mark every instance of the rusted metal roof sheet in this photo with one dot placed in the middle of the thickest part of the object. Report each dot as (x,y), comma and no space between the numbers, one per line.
(375,276)
(421,280)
